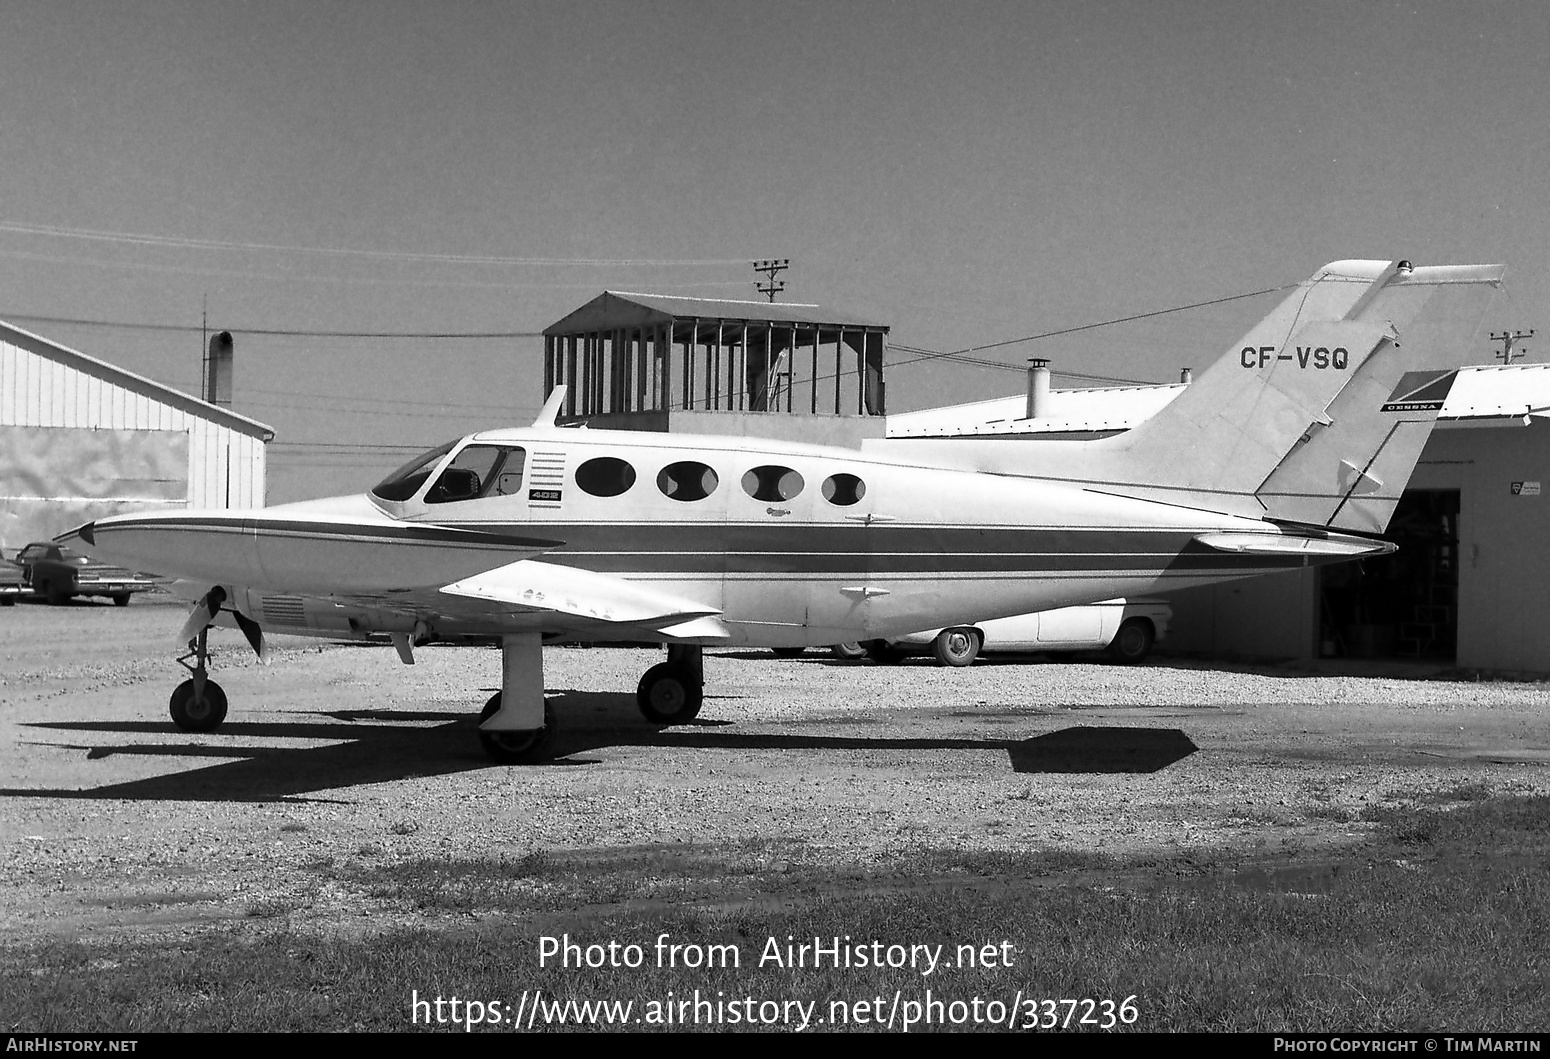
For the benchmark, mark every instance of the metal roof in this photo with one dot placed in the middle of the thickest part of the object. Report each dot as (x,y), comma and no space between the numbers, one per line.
(1480,393)
(622,309)
(1069,411)
(128,380)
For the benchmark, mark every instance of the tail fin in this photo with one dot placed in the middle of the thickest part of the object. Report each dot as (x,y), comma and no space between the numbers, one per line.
(1348,473)
(1247,436)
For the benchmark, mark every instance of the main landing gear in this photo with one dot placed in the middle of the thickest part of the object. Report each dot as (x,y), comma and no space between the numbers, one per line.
(672,692)
(516,726)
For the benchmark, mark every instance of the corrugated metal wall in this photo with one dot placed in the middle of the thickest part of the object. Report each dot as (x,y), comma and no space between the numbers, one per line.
(225,466)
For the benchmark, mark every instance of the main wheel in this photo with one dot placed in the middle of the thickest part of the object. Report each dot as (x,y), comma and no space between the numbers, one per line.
(882,652)
(848,652)
(667,695)
(516,748)
(788,652)
(956,647)
(192,714)
(1133,642)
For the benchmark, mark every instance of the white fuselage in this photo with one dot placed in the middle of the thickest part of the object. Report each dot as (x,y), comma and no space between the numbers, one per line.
(784,544)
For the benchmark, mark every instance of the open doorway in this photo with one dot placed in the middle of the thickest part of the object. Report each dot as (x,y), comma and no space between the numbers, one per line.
(1403,605)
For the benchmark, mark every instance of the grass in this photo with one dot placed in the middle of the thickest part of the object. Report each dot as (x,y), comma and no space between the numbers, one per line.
(1441,922)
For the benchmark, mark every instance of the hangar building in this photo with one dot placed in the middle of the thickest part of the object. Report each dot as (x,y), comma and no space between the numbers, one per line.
(1468,585)
(80,439)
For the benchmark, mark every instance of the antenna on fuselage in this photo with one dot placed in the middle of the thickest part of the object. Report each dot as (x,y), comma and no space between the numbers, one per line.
(551,410)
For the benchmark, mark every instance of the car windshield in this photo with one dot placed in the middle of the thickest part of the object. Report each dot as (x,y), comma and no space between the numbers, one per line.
(406,481)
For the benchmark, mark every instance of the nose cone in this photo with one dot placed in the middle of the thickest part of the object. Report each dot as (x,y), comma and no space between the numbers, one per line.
(86,533)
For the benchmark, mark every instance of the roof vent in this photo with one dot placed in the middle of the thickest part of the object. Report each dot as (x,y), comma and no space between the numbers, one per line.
(1038,388)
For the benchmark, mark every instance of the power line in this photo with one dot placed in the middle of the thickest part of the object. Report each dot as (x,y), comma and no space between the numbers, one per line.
(296,277)
(928,354)
(269,331)
(180,242)
(385,400)
(960,353)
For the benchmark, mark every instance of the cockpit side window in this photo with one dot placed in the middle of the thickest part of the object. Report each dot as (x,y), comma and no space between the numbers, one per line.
(477,471)
(406,481)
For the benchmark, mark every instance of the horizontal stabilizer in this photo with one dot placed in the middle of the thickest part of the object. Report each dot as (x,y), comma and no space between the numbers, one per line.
(529,585)
(1287,544)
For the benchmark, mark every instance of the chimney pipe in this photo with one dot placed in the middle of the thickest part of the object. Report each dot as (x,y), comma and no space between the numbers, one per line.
(1038,388)
(218,369)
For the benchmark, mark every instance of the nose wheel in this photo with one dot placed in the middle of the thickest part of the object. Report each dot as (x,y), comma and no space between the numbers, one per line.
(198,704)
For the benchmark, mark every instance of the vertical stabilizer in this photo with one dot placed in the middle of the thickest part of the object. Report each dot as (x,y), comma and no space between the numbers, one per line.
(1292,420)
(1348,474)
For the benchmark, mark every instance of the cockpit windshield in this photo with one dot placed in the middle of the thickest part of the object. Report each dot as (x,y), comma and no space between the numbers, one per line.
(406,481)
(477,471)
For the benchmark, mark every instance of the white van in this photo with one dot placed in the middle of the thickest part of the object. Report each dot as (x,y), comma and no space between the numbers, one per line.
(1126,629)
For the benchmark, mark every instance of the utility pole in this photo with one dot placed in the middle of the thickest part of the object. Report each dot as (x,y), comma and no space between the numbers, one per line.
(1508,340)
(772,268)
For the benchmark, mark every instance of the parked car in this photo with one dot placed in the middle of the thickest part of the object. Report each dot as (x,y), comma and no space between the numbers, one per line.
(1126,629)
(11,587)
(57,573)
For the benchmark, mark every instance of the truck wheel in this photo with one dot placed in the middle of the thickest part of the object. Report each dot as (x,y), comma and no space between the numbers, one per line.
(956,647)
(1133,642)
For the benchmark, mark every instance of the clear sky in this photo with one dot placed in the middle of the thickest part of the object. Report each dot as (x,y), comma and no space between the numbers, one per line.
(967,172)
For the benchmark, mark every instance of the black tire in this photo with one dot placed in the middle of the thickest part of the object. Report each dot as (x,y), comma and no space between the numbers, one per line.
(516,748)
(668,695)
(848,652)
(882,652)
(191,715)
(52,593)
(121,600)
(7,601)
(958,646)
(788,652)
(1133,642)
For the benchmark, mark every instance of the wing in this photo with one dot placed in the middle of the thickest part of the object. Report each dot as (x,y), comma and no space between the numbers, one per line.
(575,599)
(523,596)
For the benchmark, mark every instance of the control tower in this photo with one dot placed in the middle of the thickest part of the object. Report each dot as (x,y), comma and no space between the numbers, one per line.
(705,366)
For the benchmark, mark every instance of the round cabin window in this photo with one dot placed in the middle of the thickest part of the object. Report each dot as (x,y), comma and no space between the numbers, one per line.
(605,476)
(843,490)
(772,484)
(687,481)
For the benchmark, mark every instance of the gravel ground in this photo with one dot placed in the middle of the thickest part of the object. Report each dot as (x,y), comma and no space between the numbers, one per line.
(113,820)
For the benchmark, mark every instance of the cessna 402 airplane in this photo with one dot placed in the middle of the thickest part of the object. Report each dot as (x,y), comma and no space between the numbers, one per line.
(1283,453)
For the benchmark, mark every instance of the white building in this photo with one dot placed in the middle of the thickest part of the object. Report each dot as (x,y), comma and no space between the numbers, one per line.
(1470,584)
(80,439)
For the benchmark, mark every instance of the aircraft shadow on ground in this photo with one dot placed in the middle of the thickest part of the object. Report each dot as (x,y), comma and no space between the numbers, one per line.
(377,746)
